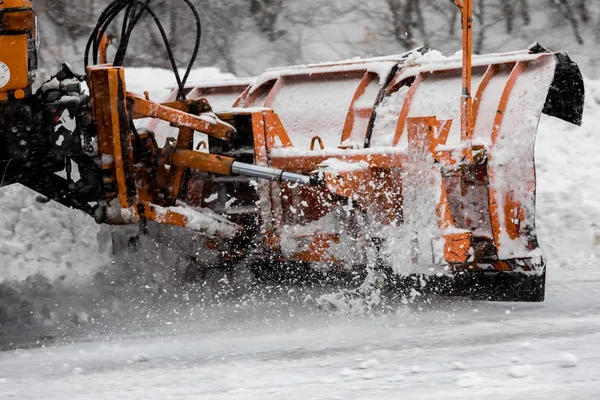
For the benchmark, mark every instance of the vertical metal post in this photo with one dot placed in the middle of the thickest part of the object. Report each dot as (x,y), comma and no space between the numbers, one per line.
(466,106)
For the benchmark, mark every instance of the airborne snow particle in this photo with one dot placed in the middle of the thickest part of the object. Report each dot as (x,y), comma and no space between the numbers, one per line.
(329,380)
(469,380)
(520,371)
(141,357)
(568,360)
(396,378)
(347,372)
(457,365)
(372,363)
(369,375)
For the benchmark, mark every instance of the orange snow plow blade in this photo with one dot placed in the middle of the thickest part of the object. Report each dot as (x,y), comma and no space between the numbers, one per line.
(385,134)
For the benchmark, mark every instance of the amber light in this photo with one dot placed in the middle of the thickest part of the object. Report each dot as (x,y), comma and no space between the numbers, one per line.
(17,21)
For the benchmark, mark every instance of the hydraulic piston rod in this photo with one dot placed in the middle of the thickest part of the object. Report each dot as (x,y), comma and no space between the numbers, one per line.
(272,174)
(226,166)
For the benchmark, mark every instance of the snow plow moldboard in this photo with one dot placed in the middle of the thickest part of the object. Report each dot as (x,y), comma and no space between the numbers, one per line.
(404,190)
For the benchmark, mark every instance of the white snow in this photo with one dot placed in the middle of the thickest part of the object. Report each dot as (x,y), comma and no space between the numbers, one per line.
(470,379)
(45,239)
(337,165)
(568,360)
(369,364)
(202,220)
(158,82)
(140,357)
(378,65)
(315,107)
(520,371)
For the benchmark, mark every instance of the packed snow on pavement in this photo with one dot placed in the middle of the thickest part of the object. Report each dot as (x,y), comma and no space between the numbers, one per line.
(74,325)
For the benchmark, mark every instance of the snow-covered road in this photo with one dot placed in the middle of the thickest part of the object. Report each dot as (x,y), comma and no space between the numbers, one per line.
(427,350)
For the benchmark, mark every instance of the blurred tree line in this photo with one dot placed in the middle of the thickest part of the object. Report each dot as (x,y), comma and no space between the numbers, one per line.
(245,36)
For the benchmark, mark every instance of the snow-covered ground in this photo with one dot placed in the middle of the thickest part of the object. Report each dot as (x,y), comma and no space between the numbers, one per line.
(96,337)
(272,350)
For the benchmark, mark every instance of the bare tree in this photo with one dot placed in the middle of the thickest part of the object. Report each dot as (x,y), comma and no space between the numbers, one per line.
(509,15)
(583,11)
(566,11)
(246,37)
(402,21)
(266,13)
(524,11)
(479,14)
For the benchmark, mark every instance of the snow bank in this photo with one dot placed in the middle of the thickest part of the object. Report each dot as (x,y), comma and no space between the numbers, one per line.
(568,194)
(46,239)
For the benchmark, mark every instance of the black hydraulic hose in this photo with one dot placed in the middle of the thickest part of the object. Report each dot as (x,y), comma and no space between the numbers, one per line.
(108,14)
(197,42)
(163,34)
(103,22)
(108,21)
(131,18)
(124,43)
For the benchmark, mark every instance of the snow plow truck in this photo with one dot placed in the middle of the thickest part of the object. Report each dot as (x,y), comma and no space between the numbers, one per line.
(416,166)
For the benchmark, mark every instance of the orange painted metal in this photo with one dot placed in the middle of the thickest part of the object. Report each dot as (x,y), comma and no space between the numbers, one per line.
(142,108)
(114,143)
(141,184)
(17,35)
(317,248)
(123,150)
(16,3)
(497,224)
(363,113)
(514,216)
(18,21)
(467,123)
(259,125)
(151,213)
(274,130)
(14,56)
(201,161)
(457,247)
(316,139)
(185,141)
(443,210)
(406,107)
(309,163)
(421,135)
(373,188)
(490,73)
(273,92)
(422,140)
(502,266)
(105,41)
